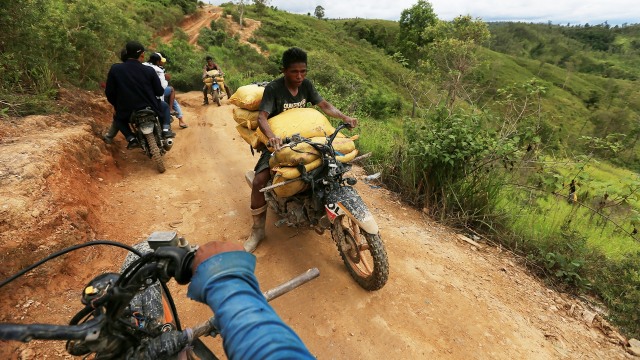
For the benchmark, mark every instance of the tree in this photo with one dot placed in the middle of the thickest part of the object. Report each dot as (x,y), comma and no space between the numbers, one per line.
(412,36)
(451,54)
(261,6)
(319,12)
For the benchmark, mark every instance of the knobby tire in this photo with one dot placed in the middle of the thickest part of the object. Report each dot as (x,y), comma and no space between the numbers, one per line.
(377,277)
(155,152)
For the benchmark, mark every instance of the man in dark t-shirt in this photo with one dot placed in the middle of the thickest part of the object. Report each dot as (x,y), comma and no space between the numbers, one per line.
(290,91)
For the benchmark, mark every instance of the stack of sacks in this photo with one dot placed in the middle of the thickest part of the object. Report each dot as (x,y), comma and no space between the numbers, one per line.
(247,99)
(309,123)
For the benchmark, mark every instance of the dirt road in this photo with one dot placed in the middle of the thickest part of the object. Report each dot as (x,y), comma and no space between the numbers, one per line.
(445,298)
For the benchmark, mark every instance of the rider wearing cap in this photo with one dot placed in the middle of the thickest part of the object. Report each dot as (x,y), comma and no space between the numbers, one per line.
(132,86)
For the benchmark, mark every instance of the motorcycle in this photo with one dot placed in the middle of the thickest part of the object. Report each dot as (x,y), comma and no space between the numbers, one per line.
(331,202)
(131,315)
(212,81)
(146,128)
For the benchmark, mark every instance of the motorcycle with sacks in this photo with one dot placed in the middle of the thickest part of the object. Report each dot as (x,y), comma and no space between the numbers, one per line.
(131,315)
(317,195)
(146,128)
(214,82)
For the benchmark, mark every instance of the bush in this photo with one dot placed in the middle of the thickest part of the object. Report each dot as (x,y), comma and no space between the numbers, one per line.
(618,283)
(453,161)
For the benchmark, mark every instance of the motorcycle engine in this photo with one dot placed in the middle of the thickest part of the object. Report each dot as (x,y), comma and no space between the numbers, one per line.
(295,213)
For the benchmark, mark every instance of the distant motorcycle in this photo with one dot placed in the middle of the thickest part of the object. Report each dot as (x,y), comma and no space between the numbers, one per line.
(212,81)
(147,129)
(331,202)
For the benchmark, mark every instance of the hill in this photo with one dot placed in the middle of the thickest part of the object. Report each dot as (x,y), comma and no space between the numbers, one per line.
(497,160)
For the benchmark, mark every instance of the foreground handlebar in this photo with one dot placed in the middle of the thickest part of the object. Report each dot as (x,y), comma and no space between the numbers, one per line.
(27,332)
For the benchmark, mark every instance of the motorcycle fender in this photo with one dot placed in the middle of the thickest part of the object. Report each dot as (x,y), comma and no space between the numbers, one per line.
(348,202)
(146,128)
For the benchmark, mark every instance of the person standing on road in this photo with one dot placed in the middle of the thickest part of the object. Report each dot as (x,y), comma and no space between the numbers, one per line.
(291,90)
(132,86)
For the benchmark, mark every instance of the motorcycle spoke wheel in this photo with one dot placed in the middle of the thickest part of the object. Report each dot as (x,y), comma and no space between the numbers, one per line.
(363,254)
(216,97)
(156,156)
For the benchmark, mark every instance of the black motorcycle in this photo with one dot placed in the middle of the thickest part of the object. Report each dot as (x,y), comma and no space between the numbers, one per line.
(146,128)
(331,202)
(131,315)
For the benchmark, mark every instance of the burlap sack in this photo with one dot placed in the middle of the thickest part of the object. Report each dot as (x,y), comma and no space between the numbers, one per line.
(304,153)
(249,136)
(289,189)
(291,172)
(307,122)
(347,157)
(246,118)
(247,97)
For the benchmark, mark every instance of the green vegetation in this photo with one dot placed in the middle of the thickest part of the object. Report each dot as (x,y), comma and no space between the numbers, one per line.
(48,42)
(482,125)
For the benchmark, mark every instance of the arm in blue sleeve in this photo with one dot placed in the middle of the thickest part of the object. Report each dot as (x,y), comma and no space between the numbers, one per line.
(249,326)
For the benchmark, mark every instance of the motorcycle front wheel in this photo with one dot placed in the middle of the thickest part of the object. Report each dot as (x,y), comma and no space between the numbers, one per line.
(216,96)
(155,152)
(362,253)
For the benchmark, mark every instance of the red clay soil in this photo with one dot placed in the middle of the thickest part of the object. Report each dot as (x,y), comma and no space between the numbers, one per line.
(446,298)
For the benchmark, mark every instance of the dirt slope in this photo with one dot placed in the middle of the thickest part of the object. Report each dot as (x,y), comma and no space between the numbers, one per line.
(445,298)
(203,17)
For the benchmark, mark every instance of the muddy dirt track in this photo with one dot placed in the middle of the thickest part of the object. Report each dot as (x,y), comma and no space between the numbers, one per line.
(445,298)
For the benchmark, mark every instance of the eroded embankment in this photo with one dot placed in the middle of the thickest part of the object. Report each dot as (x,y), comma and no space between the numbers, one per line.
(48,193)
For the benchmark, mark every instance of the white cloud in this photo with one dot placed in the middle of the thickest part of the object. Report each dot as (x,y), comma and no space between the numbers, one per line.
(558,11)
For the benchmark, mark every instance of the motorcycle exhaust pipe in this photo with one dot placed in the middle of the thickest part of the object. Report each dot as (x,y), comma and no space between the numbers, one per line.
(168,143)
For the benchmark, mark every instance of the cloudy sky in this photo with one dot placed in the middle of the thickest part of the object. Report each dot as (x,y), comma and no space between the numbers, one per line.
(556,11)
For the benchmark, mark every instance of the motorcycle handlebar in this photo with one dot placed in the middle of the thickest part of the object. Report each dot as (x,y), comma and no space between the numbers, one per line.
(27,332)
(178,263)
(298,138)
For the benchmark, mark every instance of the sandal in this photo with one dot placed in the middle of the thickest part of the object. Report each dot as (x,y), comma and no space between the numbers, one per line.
(184,126)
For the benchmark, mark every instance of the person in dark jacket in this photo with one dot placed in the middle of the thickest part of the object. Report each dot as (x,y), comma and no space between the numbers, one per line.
(131,86)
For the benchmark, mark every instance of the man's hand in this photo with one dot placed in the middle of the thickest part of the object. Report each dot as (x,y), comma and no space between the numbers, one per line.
(213,248)
(352,122)
(275,142)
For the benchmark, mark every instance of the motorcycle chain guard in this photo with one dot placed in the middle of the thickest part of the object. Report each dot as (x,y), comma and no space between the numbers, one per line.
(346,201)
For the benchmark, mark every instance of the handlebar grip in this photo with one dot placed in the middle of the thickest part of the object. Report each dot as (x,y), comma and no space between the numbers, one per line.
(167,344)
(181,260)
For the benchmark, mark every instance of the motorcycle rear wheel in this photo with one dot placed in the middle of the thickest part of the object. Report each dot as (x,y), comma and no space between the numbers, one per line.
(155,152)
(367,262)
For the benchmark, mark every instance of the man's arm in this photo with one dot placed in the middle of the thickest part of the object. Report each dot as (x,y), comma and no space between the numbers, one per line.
(110,88)
(249,326)
(332,111)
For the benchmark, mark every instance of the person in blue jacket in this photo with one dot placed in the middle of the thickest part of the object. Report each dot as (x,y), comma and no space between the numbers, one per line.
(223,278)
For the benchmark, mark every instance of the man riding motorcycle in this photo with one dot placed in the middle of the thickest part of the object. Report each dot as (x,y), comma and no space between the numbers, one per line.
(132,86)
(292,90)
(210,65)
